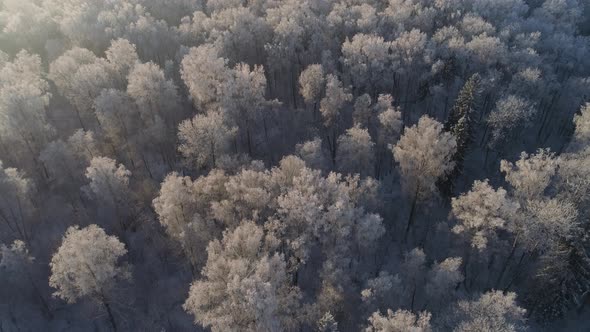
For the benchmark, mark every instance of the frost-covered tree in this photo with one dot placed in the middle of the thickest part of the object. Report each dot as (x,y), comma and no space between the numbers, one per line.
(544,222)
(15,258)
(390,120)
(109,186)
(299,39)
(327,323)
(243,100)
(80,76)
(399,321)
(155,40)
(313,154)
(240,33)
(16,263)
(176,203)
(331,107)
(531,174)
(389,129)
(330,212)
(548,222)
(132,132)
(347,19)
(205,138)
(88,264)
(582,123)
(443,279)
(492,311)
(154,95)
(355,152)
(19,277)
(179,206)
(24,98)
(335,99)
(122,56)
(486,51)
(78,22)
(413,273)
(62,69)
(378,291)
(16,204)
(245,286)
(424,154)
(511,112)
(204,72)
(106,177)
(482,212)
(27,25)
(66,160)
(83,144)
(171,11)
(409,52)
(402,15)
(572,181)
(312,83)
(367,60)
(363,113)
(118,118)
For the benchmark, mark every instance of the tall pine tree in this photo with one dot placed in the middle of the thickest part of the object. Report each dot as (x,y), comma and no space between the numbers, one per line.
(562,282)
(461,125)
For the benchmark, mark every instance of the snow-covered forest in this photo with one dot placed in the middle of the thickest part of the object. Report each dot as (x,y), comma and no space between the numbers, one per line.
(295,165)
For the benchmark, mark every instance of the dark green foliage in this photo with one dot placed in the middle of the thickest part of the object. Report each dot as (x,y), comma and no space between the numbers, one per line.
(562,282)
(461,124)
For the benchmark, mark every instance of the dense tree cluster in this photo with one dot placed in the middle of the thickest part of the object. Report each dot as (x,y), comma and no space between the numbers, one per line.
(296,165)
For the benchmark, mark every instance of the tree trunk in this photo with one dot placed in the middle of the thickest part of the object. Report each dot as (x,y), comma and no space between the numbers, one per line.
(516,271)
(411,217)
(413,298)
(110,313)
(80,119)
(294,87)
(147,167)
(506,263)
(249,140)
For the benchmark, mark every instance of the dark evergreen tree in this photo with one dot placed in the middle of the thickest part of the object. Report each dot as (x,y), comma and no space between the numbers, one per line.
(461,125)
(562,282)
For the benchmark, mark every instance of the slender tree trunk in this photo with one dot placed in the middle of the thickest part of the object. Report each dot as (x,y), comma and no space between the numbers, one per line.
(294,87)
(393,81)
(5,153)
(14,228)
(44,304)
(110,313)
(249,140)
(485,134)
(23,222)
(334,148)
(546,114)
(80,118)
(411,217)
(506,263)
(315,112)
(147,167)
(466,268)
(485,160)
(413,298)
(516,271)
(265,131)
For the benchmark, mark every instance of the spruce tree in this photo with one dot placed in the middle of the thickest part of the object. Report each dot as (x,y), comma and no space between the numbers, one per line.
(562,282)
(461,125)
